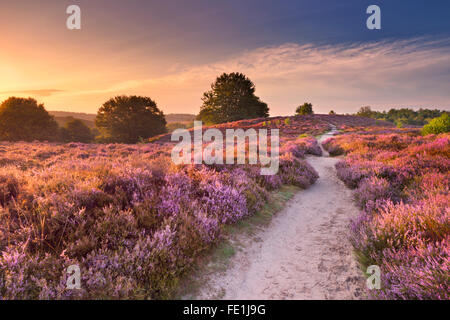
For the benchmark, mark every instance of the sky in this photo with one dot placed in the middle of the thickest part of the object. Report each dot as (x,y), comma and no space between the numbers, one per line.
(295,51)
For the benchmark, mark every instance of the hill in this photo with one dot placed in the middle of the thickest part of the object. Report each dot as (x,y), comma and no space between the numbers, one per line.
(179,117)
(76,115)
(62,117)
(294,125)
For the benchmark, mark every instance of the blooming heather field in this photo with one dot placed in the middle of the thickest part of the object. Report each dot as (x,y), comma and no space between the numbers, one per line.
(292,127)
(401,183)
(125,214)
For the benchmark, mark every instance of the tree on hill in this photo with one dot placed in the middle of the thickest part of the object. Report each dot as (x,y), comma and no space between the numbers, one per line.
(231,98)
(76,131)
(403,116)
(437,125)
(128,119)
(304,109)
(331,112)
(25,120)
(365,112)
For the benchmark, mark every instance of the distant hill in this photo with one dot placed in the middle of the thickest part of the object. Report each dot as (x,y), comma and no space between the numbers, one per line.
(315,124)
(180,117)
(62,117)
(76,115)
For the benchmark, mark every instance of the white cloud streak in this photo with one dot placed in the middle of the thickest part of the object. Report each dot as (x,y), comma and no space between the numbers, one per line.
(344,77)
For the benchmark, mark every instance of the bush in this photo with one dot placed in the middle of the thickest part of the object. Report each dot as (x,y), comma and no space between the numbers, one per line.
(129,119)
(401,183)
(371,190)
(333,148)
(304,109)
(76,131)
(437,125)
(231,98)
(365,111)
(133,222)
(26,120)
(297,172)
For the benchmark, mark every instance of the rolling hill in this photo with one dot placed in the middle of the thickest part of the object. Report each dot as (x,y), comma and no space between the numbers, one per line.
(62,117)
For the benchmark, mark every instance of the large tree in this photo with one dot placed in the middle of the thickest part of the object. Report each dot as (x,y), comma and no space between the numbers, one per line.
(231,98)
(128,119)
(25,120)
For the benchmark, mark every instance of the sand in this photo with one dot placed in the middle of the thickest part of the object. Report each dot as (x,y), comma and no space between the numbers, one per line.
(304,253)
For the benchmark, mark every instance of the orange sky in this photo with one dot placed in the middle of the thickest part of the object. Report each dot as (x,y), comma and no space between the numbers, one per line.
(79,70)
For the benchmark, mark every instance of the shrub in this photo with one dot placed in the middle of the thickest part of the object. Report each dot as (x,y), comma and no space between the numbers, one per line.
(133,222)
(304,109)
(402,185)
(296,172)
(437,125)
(9,189)
(371,190)
(76,131)
(332,147)
(26,120)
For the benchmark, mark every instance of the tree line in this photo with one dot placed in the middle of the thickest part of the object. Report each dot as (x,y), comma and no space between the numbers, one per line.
(403,116)
(128,119)
(123,119)
(131,119)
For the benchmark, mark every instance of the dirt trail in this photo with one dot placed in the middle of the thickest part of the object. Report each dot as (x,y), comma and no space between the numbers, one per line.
(303,254)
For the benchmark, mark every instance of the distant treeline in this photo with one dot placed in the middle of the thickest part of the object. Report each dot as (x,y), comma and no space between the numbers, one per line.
(403,116)
(133,119)
(89,118)
(123,119)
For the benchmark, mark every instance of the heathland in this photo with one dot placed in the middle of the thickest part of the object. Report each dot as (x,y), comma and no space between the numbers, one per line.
(136,224)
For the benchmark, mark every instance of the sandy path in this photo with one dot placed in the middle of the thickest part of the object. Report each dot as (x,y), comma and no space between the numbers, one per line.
(303,254)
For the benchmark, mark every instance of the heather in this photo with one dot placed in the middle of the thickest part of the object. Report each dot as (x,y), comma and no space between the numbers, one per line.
(401,182)
(132,221)
(293,127)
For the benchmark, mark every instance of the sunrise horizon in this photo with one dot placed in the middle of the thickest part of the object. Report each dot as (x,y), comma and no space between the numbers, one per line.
(215,159)
(170,52)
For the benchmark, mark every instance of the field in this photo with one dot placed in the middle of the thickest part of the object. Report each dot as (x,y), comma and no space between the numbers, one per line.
(135,223)
(131,220)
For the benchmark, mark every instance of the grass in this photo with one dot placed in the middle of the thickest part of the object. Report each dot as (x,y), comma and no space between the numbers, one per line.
(218,258)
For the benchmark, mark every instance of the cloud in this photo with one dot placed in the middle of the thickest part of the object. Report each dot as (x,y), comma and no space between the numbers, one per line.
(413,72)
(38,92)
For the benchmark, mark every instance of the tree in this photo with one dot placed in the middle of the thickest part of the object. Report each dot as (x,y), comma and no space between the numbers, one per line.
(25,120)
(365,112)
(400,123)
(403,116)
(304,109)
(437,125)
(231,98)
(331,112)
(129,119)
(76,131)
